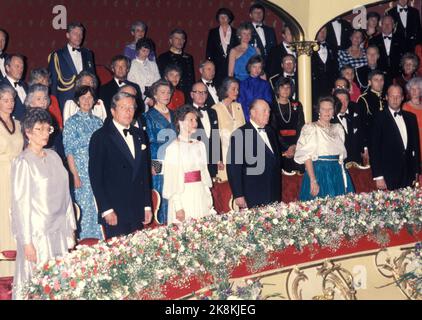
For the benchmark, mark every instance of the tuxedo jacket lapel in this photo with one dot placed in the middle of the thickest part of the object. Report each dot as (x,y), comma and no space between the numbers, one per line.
(117,138)
(69,61)
(395,131)
(137,140)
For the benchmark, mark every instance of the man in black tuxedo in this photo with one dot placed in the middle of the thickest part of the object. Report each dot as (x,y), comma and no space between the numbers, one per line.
(14,66)
(207,71)
(324,67)
(263,36)
(218,49)
(391,47)
(176,56)
(395,154)
(279,52)
(66,63)
(207,127)
(408,24)
(253,160)
(338,34)
(348,115)
(120,66)
(3,54)
(288,67)
(119,171)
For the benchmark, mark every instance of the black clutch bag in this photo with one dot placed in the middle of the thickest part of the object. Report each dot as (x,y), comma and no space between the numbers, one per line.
(157,165)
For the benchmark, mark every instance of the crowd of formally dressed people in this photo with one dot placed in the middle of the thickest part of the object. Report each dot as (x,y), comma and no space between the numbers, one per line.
(65,138)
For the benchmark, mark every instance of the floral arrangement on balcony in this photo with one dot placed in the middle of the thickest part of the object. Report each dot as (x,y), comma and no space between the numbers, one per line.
(142,264)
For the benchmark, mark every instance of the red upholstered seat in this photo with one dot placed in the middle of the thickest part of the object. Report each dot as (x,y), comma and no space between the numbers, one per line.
(290,186)
(361,177)
(104,74)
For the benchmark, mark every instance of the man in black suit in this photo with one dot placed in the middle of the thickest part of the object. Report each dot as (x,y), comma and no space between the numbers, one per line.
(119,171)
(279,52)
(395,156)
(349,117)
(338,34)
(3,54)
(288,67)
(120,66)
(66,63)
(207,71)
(324,67)
(263,37)
(253,160)
(207,127)
(408,24)
(176,56)
(218,48)
(390,47)
(14,66)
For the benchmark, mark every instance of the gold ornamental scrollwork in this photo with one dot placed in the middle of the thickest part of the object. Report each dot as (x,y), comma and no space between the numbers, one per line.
(305,47)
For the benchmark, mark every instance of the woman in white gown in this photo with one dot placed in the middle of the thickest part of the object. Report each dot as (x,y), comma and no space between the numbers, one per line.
(43,220)
(187,181)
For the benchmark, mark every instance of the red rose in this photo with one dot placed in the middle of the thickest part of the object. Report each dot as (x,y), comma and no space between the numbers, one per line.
(72,283)
(47,289)
(243,229)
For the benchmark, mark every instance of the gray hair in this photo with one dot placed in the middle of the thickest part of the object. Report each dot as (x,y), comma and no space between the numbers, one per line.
(417,81)
(224,88)
(31,92)
(119,96)
(5,88)
(138,24)
(84,73)
(38,74)
(410,56)
(204,62)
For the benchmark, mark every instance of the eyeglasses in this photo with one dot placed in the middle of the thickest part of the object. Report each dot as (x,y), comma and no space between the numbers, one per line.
(200,92)
(48,130)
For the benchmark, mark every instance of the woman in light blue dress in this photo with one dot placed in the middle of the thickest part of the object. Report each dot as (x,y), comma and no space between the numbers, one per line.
(77,133)
(321,148)
(161,131)
(240,55)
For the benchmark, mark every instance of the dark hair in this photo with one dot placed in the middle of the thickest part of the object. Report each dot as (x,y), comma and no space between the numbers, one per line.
(373,46)
(345,67)
(324,99)
(178,31)
(81,91)
(31,117)
(143,43)
(253,60)
(172,67)
(181,112)
(74,25)
(244,26)
(289,56)
(345,80)
(5,34)
(119,96)
(120,57)
(374,73)
(373,14)
(224,11)
(8,59)
(256,6)
(282,81)
(337,104)
(154,87)
(224,87)
(360,31)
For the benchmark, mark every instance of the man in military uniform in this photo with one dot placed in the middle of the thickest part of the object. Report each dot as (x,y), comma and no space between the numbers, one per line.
(66,63)
(176,56)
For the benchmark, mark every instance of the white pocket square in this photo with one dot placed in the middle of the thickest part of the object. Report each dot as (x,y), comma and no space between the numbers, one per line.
(354,130)
(355,115)
(143,147)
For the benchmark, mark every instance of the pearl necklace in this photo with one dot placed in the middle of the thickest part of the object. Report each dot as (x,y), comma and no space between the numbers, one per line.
(281,113)
(161,110)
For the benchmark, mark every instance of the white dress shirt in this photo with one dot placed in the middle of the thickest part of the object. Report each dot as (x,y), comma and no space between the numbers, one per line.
(260,32)
(344,120)
(337,30)
(205,120)
(119,84)
(323,52)
(263,135)
(211,90)
(225,40)
(387,42)
(19,89)
(403,14)
(288,48)
(76,58)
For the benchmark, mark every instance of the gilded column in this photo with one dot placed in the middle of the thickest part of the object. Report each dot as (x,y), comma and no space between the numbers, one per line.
(304,51)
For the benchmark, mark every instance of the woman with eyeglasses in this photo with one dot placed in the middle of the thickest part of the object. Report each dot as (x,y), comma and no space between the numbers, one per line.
(11,144)
(77,133)
(43,220)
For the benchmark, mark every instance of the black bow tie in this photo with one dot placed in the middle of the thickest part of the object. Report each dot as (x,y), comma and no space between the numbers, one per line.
(17,83)
(288,46)
(403,9)
(397,113)
(261,129)
(211,83)
(323,44)
(342,116)
(388,37)
(2,55)
(126,131)
(76,49)
(259,26)
(121,82)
